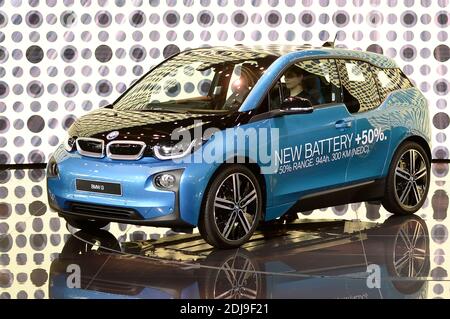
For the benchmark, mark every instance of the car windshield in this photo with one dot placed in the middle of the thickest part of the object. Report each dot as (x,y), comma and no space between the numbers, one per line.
(208,80)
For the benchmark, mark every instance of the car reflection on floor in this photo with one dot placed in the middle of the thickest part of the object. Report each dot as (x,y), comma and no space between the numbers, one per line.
(324,259)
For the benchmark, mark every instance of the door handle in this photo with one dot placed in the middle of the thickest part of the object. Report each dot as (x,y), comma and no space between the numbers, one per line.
(343,124)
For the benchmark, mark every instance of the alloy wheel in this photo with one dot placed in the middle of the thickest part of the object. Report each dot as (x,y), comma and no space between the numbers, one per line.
(410,250)
(235,206)
(236,279)
(411,177)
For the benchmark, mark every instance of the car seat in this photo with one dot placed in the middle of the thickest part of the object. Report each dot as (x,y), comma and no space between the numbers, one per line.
(313,85)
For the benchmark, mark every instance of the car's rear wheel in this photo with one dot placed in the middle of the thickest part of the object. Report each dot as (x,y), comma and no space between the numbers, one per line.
(408,180)
(87,224)
(232,207)
(407,253)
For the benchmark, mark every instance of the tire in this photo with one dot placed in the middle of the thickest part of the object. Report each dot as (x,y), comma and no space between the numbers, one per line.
(231,274)
(407,233)
(85,224)
(228,219)
(407,182)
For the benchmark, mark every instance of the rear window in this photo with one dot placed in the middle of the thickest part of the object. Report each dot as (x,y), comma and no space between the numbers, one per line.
(359,89)
(389,80)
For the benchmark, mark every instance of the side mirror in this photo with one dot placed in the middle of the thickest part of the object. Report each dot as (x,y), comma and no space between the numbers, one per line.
(296,104)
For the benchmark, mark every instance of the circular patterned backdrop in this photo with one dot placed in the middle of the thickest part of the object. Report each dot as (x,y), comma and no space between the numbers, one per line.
(61,59)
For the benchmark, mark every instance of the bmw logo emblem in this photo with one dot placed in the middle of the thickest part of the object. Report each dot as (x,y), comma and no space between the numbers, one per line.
(112,135)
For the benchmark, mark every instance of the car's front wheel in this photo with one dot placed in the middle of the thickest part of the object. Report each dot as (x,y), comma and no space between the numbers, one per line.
(408,180)
(232,207)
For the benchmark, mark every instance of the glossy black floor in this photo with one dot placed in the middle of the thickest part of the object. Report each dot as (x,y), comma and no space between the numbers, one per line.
(350,251)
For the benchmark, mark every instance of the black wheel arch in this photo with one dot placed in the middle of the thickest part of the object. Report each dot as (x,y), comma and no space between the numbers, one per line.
(254,168)
(417,139)
(421,141)
(411,138)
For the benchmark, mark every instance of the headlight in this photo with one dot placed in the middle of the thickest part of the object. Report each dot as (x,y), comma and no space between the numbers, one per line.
(52,168)
(178,150)
(69,143)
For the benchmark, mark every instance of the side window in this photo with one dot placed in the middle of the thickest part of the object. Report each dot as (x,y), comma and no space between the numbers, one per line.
(316,80)
(360,92)
(389,80)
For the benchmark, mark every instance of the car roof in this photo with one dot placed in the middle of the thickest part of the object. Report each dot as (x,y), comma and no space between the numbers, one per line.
(306,50)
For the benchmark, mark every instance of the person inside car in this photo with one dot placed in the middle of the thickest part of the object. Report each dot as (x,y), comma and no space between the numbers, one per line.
(294,79)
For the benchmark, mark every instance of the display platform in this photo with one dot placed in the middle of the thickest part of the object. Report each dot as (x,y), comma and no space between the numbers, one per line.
(350,251)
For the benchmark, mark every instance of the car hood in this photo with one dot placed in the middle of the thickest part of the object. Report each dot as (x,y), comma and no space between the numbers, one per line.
(149,127)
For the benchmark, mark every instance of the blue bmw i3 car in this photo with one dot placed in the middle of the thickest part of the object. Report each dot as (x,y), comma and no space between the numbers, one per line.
(224,138)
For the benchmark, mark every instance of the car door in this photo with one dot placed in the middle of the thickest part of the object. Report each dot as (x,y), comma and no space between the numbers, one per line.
(313,147)
(372,127)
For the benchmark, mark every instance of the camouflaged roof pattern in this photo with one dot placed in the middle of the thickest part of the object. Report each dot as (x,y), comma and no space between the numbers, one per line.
(280,50)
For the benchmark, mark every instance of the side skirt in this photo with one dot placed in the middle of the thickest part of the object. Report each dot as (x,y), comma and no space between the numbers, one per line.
(361,192)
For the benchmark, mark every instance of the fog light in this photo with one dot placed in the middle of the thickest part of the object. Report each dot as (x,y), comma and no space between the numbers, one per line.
(165,180)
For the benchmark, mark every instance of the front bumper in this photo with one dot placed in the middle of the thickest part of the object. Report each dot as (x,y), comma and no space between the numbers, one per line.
(108,213)
(140,203)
